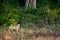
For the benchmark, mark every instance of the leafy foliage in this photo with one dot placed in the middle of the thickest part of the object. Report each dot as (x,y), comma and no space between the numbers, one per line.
(9,15)
(47,12)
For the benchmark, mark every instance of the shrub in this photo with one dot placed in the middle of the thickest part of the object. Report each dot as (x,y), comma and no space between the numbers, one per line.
(10,15)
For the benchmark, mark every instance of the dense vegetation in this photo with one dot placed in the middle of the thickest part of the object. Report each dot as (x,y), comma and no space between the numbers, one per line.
(47,12)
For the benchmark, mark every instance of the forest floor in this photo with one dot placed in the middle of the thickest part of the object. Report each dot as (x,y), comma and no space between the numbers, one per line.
(28,35)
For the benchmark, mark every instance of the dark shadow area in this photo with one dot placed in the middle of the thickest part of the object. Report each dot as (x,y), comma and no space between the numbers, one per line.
(22,2)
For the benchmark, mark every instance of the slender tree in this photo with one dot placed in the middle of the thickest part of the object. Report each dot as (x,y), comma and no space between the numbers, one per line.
(31,3)
(27,2)
(34,3)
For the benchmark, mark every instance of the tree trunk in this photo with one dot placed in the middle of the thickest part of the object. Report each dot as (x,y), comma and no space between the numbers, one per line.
(31,3)
(34,3)
(27,2)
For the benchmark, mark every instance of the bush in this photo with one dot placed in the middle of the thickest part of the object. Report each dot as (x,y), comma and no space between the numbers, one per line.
(10,15)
